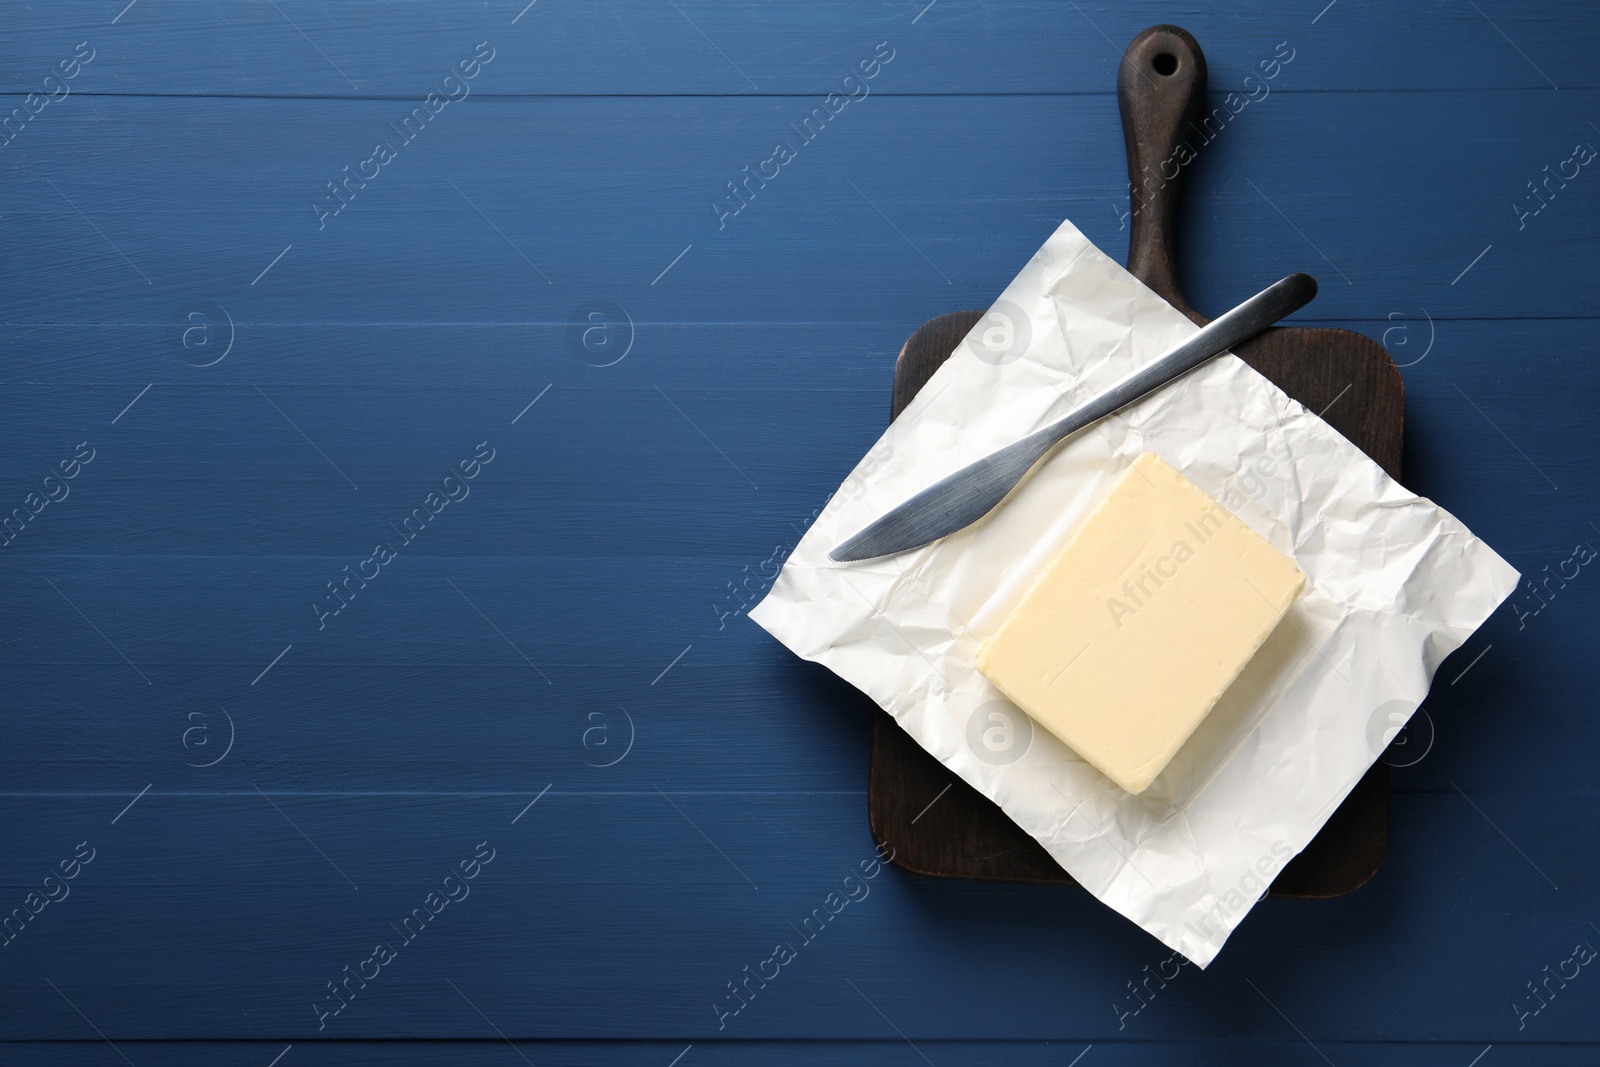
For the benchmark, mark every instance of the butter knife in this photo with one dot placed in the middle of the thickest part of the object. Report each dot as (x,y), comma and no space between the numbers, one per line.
(961,499)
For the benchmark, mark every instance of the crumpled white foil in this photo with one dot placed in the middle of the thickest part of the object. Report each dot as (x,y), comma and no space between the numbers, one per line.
(1395,584)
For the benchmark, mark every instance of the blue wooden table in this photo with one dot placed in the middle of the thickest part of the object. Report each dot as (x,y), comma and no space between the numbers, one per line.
(403,401)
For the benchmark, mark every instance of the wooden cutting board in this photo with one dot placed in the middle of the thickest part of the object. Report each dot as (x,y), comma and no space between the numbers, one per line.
(939,825)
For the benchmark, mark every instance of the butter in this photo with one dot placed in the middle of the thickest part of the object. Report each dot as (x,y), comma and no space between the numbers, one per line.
(1130,635)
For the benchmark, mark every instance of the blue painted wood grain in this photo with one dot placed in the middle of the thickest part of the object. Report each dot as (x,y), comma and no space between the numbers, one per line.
(585,600)
(892,1053)
(516,211)
(739,47)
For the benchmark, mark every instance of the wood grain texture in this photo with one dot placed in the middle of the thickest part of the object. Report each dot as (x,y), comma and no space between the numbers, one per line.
(215,901)
(631,512)
(1381,198)
(305,736)
(739,47)
(494,1052)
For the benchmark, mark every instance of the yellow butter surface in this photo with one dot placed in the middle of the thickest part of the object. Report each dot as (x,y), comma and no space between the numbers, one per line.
(1139,624)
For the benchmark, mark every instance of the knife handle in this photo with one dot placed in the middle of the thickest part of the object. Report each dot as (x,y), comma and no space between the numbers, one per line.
(1161,86)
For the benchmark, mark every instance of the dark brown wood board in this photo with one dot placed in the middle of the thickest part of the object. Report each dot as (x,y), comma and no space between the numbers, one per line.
(937,824)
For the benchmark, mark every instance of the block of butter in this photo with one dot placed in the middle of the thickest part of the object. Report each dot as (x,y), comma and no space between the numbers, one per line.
(1137,626)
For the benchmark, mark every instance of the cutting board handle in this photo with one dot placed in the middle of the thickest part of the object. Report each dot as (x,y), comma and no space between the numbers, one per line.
(1161,87)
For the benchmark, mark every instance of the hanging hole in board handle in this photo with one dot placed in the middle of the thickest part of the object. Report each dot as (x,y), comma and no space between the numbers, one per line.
(1165,64)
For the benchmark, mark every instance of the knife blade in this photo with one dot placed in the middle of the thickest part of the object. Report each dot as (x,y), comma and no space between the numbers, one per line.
(961,499)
